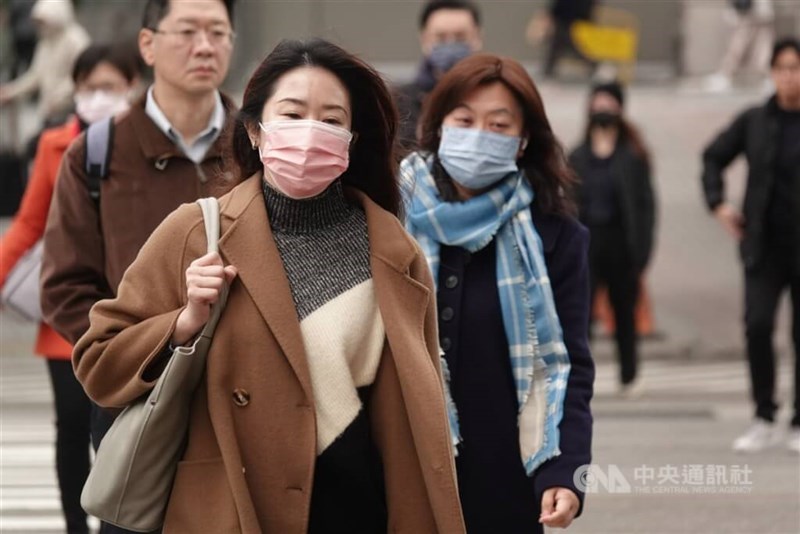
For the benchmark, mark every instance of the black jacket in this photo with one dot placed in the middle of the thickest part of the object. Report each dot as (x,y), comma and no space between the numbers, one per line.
(409,98)
(756,134)
(571,10)
(635,193)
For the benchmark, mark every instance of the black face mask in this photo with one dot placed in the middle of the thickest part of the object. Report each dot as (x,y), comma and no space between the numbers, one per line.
(604,119)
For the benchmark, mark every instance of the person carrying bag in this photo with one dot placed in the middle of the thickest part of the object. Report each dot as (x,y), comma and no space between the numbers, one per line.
(132,477)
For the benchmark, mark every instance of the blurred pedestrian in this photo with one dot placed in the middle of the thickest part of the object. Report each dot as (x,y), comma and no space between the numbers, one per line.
(449,32)
(617,204)
(164,152)
(486,203)
(753,34)
(563,14)
(104,78)
(335,426)
(61,40)
(768,232)
(23,35)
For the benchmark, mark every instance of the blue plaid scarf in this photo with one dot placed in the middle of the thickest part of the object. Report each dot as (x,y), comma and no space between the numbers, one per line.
(539,358)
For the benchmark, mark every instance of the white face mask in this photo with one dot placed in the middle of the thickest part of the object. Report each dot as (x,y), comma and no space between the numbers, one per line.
(98,105)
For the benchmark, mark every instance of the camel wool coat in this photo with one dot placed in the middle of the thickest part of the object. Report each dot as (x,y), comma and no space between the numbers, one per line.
(249,462)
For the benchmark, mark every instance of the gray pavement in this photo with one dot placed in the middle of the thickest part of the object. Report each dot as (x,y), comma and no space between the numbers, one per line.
(695,385)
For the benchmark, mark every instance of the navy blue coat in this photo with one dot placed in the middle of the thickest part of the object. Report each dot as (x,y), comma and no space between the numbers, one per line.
(566,245)
(496,494)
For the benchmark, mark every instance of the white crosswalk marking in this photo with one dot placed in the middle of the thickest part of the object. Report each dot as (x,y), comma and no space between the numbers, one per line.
(29,498)
(676,377)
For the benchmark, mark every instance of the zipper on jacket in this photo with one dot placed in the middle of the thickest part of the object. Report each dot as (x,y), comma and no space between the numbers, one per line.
(201,174)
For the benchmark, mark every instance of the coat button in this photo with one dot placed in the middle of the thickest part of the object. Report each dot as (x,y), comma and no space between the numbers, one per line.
(447,314)
(241,397)
(446,344)
(451,281)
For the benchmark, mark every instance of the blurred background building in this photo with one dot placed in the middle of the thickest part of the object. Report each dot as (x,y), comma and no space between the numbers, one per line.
(696,396)
(676,37)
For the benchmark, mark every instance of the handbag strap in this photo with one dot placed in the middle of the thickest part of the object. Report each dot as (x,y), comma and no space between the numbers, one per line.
(210,208)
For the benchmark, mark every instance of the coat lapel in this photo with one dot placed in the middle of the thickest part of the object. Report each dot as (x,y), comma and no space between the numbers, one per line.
(248,244)
(403,303)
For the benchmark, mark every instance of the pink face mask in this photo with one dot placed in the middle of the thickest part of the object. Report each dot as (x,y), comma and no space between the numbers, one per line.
(304,157)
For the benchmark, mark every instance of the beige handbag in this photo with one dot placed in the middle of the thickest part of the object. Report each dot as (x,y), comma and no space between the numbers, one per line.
(21,289)
(131,480)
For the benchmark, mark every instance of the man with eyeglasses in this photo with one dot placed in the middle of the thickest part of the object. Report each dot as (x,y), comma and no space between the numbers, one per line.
(768,233)
(166,151)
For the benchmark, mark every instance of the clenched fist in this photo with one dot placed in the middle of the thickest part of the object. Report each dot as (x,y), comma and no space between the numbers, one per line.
(205,278)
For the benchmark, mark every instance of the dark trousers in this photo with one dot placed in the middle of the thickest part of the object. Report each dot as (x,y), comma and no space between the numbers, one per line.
(764,286)
(72,441)
(610,265)
(561,45)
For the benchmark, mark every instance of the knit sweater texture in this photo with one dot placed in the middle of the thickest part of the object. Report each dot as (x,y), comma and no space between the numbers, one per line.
(324,246)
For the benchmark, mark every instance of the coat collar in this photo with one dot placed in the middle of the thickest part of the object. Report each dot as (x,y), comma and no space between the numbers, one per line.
(387,239)
(155,143)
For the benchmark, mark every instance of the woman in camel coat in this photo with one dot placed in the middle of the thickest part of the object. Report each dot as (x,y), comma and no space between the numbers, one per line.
(253,462)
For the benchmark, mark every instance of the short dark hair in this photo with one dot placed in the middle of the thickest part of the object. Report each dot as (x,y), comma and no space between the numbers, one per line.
(435,5)
(610,88)
(373,159)
(122,56)
(781,45)
(156,10)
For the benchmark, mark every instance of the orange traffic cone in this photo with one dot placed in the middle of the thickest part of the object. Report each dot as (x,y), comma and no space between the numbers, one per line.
(602,312)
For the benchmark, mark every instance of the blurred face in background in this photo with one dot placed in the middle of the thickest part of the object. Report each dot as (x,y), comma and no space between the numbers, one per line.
(604,102)
(191,48)
(605,111)
(105,77)
(786,75)
(449,36)
(103,93)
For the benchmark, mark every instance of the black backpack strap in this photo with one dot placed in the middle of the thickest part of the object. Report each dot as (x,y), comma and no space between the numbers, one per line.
(99,140)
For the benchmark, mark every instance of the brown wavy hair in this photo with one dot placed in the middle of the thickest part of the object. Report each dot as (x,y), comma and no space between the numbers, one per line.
(373,157)
(543,159)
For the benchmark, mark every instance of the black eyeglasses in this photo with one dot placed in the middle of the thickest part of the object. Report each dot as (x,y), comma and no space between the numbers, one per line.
(189,36)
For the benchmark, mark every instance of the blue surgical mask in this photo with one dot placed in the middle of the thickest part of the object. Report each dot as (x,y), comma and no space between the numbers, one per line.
(444,56)
(477,159)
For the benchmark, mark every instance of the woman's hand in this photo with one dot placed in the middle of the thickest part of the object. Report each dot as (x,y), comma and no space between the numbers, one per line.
(204,281)
(559,506)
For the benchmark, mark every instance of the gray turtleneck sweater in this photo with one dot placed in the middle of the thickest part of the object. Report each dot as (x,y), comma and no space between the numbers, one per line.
(324,247)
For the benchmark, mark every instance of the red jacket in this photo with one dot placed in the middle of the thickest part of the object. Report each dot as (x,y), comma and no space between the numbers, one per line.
(29,222)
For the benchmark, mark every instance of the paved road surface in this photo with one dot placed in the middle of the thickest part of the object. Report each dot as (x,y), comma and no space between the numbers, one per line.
(695,399)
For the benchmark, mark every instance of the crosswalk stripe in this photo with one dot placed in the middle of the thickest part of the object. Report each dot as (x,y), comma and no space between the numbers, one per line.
(29,497)
(670,377)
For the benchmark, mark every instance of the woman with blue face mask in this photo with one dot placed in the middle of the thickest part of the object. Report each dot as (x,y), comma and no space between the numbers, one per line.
(486,200)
